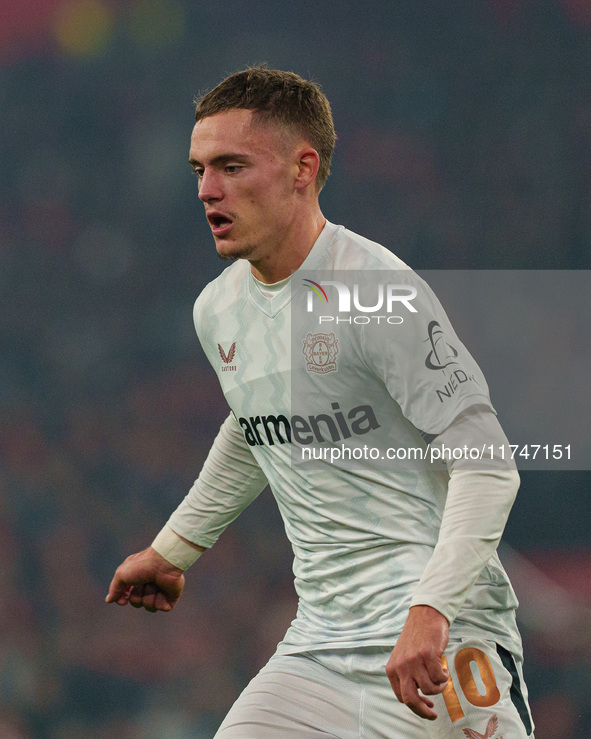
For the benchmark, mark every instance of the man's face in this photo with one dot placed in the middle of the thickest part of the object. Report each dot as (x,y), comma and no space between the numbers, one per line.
(246,171)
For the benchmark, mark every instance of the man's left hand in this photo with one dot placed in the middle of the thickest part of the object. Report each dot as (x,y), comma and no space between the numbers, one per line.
(415,662)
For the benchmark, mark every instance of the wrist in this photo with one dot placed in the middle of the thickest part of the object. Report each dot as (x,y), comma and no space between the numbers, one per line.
(426,612)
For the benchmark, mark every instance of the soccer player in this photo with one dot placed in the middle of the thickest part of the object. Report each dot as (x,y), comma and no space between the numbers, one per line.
(406,619)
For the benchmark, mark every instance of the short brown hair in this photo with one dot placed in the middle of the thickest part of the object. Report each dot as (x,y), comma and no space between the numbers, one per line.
(278,97)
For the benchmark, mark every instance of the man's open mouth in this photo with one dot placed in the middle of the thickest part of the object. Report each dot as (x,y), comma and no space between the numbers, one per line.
(220,224)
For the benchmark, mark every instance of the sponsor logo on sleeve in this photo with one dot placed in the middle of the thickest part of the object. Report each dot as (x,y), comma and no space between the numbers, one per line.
(443,356)
(442,353)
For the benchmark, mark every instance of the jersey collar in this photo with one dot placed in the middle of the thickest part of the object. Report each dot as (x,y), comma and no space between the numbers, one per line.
(318,258)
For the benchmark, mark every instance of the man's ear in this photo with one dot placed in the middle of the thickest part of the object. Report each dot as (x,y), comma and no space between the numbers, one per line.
(308,162)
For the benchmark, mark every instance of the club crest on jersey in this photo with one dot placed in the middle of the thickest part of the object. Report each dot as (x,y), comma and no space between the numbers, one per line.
(320,351)
(227,358)
(490,731)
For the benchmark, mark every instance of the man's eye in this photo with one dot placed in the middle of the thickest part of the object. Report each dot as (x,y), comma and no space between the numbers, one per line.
(232,168)
(198,173)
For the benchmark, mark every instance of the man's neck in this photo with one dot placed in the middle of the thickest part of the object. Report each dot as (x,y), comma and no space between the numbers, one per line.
(287,259)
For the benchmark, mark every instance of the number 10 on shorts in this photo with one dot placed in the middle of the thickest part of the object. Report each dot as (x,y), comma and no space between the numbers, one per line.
(467,683)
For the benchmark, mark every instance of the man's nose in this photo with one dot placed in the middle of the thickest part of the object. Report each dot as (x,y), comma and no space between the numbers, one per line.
(210,186)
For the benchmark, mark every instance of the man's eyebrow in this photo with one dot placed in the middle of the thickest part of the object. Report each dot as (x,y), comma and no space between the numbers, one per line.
(221,159)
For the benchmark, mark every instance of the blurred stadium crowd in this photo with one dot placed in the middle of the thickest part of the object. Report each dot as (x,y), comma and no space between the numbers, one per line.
(464,143)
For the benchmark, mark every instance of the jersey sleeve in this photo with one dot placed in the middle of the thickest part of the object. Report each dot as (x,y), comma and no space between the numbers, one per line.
(479,498)
(229,481)
(424,365)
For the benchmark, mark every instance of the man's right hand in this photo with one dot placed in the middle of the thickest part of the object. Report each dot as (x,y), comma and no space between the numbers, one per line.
(147,580)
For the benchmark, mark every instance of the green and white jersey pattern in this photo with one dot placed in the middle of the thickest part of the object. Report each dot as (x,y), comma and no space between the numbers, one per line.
(361,534)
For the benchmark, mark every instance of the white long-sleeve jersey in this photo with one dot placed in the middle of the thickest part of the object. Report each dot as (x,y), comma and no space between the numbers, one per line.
(370,536)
